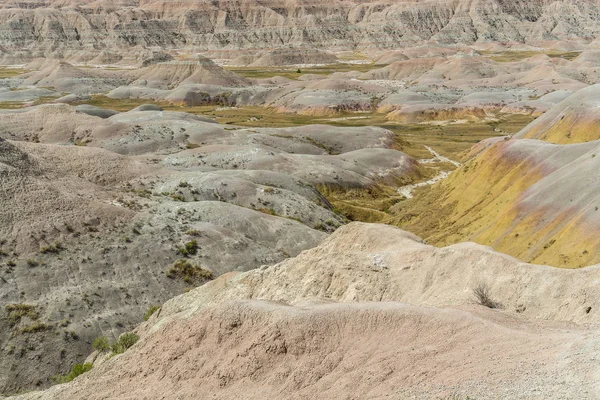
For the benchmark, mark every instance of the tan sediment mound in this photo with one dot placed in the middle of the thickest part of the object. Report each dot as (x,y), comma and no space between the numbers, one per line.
(438,112)
(408,70)
(65,77)
(55,123)
(57,71)
(534,200)
(371,262)
(45,186)
(346,84)
(298,56)
(391,57)
(574,120)
(278,332)
(106,58)
(172,74)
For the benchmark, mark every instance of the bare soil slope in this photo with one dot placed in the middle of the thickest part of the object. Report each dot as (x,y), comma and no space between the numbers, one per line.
(295,339)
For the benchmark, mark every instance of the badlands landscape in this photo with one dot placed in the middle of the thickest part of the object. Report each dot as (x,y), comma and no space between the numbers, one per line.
(357,199)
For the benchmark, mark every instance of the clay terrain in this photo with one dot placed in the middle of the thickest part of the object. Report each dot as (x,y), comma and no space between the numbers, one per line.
(299,199)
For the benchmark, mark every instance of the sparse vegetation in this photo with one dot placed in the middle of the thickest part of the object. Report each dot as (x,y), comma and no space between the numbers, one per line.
(101,344)
(482,295)
(268,211)
(36,327)
(52,249)
(125,341)
(17,311)
(294,73)
(32,263)
(189,249)
(178,197)
(150,312)
(77,370)
(191,274)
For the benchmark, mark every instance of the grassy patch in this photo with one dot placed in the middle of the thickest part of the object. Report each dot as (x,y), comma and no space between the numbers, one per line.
(7,72)
(101,344)
(150,312)
(78,369)
(190,273)
(292,72)
(363,204)
(17,311)
(52,249)
(189,249)
(36,327)
(121,105)
(125,341)
(518,55)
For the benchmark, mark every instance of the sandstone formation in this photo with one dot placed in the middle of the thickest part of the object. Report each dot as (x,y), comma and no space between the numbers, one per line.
(330,323)
(529,198)
(209,156)
(57,26)
(89,236)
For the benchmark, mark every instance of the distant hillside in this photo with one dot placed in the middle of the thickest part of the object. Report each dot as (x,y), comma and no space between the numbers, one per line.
(79,24)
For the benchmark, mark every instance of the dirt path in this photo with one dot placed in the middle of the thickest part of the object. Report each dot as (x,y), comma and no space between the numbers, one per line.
(407,190)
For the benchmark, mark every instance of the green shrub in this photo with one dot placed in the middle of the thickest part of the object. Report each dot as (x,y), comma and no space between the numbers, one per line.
(178,197)
(101,344)
(151,311)
(189,249)
(36,327)
(77,370)
(18,311)
(125,341)
(188,272)
(57,248)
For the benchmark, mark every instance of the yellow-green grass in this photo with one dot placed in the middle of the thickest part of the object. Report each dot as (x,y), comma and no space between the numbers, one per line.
(8,72)
(450,139)
(296,72)
(480,202)
(571,128)
(518,55)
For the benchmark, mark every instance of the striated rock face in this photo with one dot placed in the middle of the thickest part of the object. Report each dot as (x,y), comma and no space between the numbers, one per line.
(52,25)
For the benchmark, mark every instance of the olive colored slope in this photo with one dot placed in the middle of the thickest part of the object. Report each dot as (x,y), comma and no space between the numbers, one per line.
(574,120)
(533,200)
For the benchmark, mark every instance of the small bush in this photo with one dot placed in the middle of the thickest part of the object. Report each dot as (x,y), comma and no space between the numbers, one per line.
(57,248)
(189,249)
(36,327)
(482,296)
(18,311)
(32,263)
(189,273)
(178,197)
(77,370)
(150,311)
(101,344)
(125,341)
(268,211)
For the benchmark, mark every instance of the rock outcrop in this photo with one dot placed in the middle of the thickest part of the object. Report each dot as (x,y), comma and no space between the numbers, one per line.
(57,26)
(331,323)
